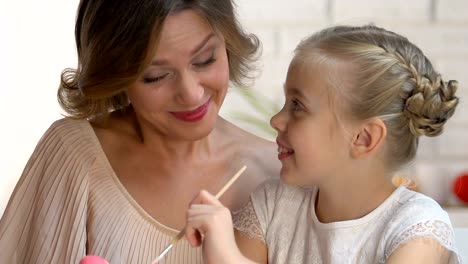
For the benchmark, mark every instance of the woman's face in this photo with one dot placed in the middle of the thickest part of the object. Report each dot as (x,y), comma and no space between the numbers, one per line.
(179,95)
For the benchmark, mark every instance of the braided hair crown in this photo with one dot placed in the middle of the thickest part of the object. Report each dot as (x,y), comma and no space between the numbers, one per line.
(430,103)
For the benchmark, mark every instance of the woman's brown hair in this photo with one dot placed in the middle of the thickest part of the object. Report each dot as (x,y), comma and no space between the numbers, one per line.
(115,41)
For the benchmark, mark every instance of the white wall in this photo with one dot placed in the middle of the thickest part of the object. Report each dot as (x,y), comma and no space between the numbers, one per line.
(36,43)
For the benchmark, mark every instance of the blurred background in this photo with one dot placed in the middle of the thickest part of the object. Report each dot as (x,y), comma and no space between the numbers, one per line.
(37,43)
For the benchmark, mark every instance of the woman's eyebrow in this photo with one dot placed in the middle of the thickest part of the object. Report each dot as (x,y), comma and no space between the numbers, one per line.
(192,52)
(202,44)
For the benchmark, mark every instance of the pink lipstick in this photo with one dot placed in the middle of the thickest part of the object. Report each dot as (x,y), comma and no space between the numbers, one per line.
(193,115)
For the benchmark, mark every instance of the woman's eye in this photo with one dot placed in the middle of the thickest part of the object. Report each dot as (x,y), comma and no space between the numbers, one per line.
(154,79)
(207,62)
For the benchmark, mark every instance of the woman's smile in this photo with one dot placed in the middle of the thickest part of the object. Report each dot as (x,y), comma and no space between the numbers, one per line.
(193,115)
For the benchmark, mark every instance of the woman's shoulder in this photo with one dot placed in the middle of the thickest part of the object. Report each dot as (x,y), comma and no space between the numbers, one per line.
(68,125)
(63,152)
(70,131)
(258,153)
(70,137)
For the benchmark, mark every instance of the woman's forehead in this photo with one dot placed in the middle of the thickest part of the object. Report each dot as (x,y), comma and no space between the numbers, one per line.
(183,35)
(184,25)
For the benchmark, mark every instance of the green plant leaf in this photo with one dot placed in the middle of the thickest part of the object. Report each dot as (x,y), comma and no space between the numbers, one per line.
(258,123)
(264,108)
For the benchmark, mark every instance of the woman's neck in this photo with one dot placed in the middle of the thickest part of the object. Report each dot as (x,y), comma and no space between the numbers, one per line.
(352,196)
(166,147)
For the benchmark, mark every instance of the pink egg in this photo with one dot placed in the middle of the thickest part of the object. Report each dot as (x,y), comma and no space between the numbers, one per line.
(93,260)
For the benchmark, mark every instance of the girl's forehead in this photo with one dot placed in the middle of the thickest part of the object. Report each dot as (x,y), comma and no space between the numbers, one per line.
(306,74)
(307,84)
(323,82)
(323,70)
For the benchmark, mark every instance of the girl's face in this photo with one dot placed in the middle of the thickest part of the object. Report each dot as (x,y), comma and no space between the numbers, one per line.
(179,95)
(312,145)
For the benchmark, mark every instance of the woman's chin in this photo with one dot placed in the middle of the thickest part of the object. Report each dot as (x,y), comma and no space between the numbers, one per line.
(197,134)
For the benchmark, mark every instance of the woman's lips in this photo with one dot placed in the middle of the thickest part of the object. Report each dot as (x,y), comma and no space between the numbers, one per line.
(194,115)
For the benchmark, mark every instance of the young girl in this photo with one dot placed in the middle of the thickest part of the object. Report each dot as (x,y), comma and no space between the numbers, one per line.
(357,101)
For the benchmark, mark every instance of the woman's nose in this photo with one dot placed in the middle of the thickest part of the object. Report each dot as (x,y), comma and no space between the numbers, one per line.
(190,91)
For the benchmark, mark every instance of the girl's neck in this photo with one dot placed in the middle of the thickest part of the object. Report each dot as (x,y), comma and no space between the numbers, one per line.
(352,199)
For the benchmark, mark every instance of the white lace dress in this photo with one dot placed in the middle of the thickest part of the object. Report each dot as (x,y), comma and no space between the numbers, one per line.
(283,216)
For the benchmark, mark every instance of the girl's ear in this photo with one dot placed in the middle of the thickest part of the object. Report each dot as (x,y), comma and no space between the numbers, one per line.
(369,138)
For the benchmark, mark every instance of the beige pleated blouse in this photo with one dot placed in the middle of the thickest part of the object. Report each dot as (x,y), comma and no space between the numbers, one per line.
(69,203)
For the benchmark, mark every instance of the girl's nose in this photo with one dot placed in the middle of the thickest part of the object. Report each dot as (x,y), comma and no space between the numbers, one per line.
(278,121)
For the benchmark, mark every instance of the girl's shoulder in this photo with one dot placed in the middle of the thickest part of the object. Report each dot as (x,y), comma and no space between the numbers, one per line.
(273,207)
(275,189)
(274,197)
(414,215)
(410,206)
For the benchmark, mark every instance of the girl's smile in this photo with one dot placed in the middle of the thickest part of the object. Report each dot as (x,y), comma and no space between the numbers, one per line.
(283,152)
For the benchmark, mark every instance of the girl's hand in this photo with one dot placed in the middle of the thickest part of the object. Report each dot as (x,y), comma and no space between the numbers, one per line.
(210,223)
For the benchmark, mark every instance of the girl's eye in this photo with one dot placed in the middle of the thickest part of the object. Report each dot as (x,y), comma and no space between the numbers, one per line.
(209,61)
(295,106)
(154,79)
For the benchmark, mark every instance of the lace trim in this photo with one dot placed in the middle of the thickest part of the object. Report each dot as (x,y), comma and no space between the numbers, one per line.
(435,229)
(246,221)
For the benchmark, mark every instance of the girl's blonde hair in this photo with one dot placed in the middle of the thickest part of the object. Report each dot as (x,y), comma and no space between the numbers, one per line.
(390,79)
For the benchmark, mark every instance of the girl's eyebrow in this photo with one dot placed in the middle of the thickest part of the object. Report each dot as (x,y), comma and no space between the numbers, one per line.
(192,52)
(294,91)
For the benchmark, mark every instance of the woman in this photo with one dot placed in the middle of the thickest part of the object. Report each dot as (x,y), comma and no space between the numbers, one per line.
(143,136)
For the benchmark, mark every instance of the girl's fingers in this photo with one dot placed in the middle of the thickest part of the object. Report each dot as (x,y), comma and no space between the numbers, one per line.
(205,213)
(201,209)
(193,236)
(198,224)
(208,198)
(205,197)
(206,219)
(210,214)
(204,222)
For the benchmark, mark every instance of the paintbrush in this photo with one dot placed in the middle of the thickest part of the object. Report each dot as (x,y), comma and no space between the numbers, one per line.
(182,232)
